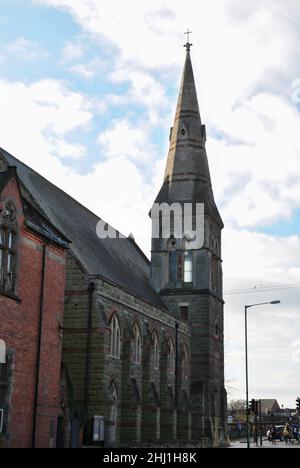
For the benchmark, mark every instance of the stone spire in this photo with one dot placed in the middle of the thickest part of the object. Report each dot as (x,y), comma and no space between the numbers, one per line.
(187,176)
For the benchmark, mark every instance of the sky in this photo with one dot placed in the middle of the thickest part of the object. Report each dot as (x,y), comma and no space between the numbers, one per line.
(88,91)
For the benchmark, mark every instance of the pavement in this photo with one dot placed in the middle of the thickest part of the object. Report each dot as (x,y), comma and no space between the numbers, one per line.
(266,444)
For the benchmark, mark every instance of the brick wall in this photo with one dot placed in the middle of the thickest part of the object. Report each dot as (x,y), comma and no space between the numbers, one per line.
(19,327)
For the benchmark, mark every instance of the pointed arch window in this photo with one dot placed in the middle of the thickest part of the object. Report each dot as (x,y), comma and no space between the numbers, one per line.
(185,363)
(188,266)
(137,345)
(171,358)
(156,351)
(180,264)
(173,267)
(8,248)
(115,337)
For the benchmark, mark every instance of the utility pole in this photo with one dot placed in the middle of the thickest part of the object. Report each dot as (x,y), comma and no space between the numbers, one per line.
(247,364)
(260,424)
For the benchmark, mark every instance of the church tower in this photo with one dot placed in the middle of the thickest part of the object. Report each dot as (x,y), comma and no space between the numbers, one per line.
(187,273)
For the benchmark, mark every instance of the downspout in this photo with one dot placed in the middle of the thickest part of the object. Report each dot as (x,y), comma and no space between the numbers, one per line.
(39,346)
(91,290)
(176,374)
(176,364)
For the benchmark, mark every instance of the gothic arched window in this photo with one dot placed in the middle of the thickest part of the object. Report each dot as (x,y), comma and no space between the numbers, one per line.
(188,266)
(136,345)
(171,358)
(115,337)
(173,267)
(185,363)
(8,247)
(156,351)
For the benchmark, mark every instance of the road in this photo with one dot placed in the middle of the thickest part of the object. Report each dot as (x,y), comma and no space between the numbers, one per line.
(266,444)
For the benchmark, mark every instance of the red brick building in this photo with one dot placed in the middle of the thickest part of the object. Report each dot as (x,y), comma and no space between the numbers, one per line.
(32,281)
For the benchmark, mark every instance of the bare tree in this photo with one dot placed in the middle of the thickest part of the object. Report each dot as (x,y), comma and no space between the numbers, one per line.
(237,410)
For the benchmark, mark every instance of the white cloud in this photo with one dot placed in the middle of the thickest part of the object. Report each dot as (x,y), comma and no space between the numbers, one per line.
(266,259)
(145,42)
(124,139)
(260,174)
(242,93)
(83,70)
(72,51)
(144,89)
(41,114)
(246,58)
(26,49)
(63,149)
(44,115)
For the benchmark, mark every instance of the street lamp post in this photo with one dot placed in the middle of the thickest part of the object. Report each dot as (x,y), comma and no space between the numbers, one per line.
(246,357)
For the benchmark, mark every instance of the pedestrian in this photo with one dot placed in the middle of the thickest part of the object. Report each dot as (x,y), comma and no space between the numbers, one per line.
(287,433)
(273,434)
(295,433)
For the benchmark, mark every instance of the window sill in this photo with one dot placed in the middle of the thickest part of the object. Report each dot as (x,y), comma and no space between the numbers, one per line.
(9,295)
(114,358)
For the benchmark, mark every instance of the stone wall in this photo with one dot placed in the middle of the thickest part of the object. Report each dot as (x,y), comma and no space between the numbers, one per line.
(151,407)
(208,396)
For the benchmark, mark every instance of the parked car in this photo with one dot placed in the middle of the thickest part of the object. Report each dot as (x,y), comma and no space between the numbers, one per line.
(279,433)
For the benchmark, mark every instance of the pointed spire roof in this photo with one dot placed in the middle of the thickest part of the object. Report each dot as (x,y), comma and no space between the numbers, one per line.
(187,99)
(187,176)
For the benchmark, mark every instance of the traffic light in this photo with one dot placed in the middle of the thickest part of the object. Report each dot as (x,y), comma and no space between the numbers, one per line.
(253,406)
(298,403)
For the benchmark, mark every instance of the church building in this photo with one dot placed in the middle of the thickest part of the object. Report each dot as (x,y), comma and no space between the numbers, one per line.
(104,347)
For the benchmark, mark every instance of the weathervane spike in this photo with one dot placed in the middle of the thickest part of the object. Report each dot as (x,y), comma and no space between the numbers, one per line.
(188,45)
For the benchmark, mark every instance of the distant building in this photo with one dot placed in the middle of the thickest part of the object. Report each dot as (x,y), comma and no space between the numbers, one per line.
(269,407)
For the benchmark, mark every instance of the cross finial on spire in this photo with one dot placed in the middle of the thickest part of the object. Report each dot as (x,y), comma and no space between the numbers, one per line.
(188,45)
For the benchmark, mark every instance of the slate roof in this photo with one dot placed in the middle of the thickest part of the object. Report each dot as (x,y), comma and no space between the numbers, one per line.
(33,219)
(120,261)
(270,405)
(187,176)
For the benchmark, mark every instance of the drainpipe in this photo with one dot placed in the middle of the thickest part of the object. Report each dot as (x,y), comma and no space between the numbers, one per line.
(39,346)
(176,364)
(91,290)
(176,377)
